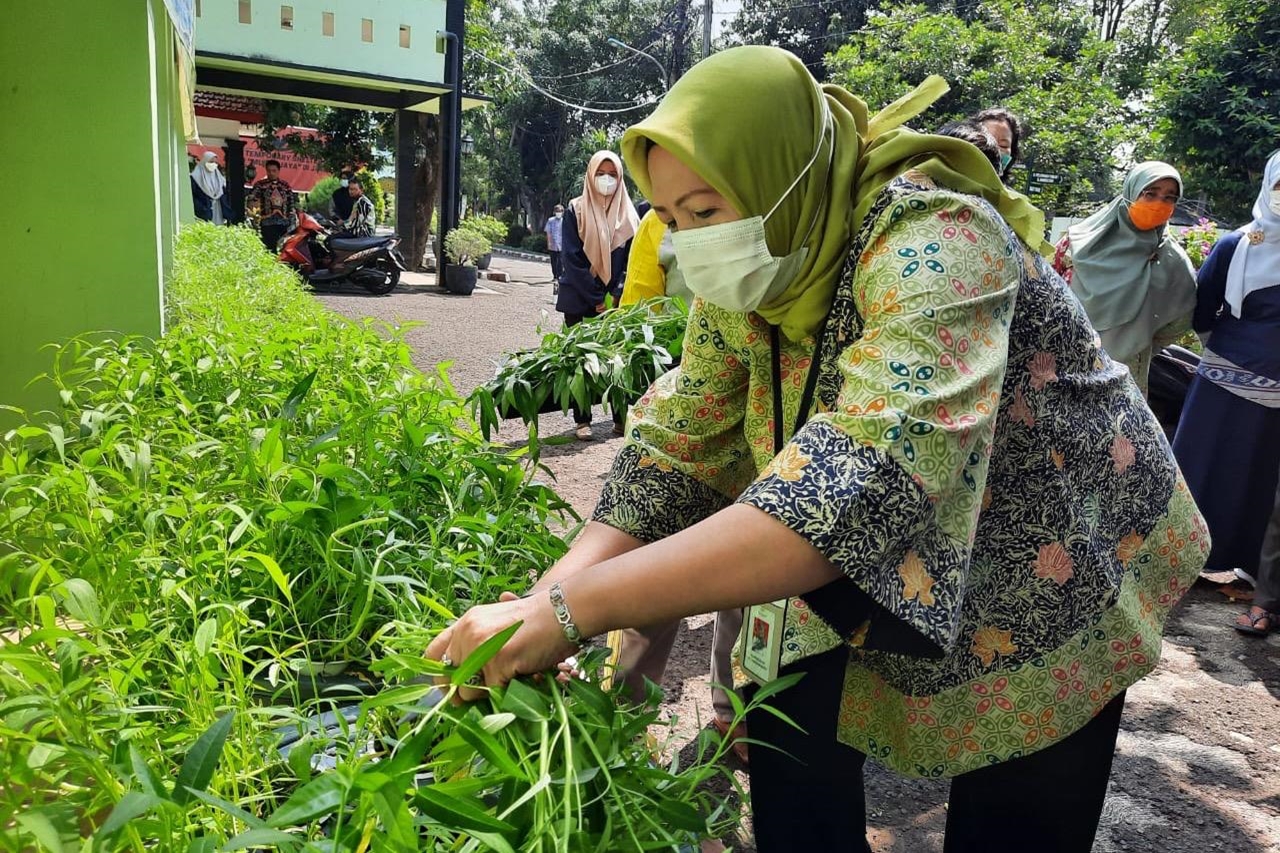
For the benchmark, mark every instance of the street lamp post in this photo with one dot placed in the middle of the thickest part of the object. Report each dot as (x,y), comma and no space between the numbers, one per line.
(666,78)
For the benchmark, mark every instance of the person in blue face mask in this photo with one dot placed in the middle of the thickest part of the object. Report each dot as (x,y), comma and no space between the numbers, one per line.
(1007,130)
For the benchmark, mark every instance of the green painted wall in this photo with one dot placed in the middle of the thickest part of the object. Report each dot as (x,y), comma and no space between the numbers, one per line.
(92,143)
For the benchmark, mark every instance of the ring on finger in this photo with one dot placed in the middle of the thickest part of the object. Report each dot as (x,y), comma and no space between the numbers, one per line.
(446,660)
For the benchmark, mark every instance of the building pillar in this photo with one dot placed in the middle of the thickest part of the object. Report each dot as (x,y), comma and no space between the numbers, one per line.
(234,158)
(406,181)
(451,118)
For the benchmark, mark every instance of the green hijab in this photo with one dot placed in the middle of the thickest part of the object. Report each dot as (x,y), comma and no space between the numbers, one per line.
(748,119)
(1130,282)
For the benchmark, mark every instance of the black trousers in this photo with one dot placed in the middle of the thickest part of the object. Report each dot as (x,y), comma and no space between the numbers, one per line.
(1049,801)
(580,417)
(557,266)
(1267,594)
(271,235)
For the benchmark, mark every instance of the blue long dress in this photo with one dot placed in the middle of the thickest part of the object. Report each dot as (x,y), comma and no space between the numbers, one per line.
(1228,441)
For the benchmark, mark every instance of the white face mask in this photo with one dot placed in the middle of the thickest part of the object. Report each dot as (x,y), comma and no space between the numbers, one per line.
(1275,202)
(729,265)
(344,183)
(210,165)
(606,184)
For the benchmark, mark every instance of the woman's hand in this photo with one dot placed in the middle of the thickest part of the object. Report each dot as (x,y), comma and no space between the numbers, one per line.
(536,647)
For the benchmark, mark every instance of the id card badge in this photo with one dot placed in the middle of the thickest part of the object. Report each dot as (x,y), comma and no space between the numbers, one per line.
(761,643)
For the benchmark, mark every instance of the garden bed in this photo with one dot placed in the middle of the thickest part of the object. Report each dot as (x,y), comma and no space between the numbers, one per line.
(212,520)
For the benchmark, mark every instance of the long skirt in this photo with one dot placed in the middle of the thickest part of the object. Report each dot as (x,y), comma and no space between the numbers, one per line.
(1229,452)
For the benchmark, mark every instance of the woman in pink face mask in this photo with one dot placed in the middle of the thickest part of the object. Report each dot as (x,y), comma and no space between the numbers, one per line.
(597,232)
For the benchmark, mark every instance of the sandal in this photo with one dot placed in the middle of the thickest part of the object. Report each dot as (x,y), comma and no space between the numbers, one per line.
(583,432)
(1247,622)
(735,737)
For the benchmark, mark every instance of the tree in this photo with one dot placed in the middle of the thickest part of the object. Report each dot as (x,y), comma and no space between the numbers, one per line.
(808,28)
(1219,105)
(1043,61)
(565,82)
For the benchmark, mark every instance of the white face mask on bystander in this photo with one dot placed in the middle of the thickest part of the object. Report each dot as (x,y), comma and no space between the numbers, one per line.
(606,184)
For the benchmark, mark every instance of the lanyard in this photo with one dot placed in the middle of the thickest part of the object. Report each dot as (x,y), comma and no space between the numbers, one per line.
(810,385)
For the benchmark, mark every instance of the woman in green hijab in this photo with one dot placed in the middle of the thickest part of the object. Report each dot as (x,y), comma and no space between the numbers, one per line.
(894,439)
(1134,280)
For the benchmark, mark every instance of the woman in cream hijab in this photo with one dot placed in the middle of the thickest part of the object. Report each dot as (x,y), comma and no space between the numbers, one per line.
(209,191)
(597,232)
(892,439)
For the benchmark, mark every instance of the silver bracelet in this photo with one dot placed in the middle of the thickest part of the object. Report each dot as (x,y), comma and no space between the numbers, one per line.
(563,616)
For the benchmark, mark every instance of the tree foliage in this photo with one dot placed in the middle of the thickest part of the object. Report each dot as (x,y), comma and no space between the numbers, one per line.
(808,28)
(1044,61)
(1219,105)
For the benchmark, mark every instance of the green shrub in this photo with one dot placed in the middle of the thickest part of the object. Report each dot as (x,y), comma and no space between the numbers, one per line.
(464,246)
(321,195)
(516,235)
(491,228)
(215,514)
(373,189)
(535,243)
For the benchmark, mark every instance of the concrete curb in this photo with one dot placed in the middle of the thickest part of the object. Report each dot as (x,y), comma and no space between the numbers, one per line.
(521,254)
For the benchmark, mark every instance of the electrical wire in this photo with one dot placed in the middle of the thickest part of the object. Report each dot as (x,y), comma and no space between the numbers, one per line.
(599,68)
(532,84)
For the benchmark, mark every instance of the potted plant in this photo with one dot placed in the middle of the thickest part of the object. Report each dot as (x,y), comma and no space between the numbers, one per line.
(463,247)
(489,227)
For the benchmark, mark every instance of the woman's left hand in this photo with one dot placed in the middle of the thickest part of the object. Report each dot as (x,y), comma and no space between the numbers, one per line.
(536,647)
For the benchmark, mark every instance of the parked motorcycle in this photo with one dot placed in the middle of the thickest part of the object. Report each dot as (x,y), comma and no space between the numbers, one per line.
(1172,370)
(373,263)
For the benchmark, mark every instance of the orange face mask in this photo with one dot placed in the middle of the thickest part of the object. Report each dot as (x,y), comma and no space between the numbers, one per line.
(1148,215)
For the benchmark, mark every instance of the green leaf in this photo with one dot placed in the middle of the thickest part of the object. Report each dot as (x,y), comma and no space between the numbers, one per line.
(205,635)
(202,844)
(775,686)
(275,572)
(290,410)
(489,748)
(681,815)
(81,601)
(202,759)
(146,777)
(132,805)
(482,654)
(323,795)
(42,829)
(458,814)
(258,838)
(525,702)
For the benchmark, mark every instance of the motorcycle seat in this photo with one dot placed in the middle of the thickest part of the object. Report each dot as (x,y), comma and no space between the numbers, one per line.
(355,244)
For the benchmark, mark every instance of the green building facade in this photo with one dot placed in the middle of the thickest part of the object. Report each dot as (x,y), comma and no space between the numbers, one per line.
(93,142)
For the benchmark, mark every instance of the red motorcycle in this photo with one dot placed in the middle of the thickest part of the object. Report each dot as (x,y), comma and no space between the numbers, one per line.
(320,258)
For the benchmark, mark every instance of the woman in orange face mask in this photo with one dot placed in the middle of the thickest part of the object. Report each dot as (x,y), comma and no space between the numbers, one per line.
(1134,280)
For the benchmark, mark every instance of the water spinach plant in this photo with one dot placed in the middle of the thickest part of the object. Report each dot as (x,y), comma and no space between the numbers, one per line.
(212,526)
(609,359)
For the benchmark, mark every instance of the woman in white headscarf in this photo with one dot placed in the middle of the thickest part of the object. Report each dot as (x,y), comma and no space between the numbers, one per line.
(1227,440)
(209,191)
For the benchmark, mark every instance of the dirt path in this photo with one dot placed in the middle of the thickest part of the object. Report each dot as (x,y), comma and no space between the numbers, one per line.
(1197,765)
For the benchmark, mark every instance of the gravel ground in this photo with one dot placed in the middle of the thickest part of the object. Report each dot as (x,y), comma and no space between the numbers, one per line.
(1196,764)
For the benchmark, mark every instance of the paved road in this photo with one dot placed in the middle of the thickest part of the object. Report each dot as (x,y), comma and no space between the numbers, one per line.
(1198,759)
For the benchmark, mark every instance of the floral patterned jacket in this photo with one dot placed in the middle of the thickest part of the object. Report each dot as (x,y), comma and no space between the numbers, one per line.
(1007,514)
